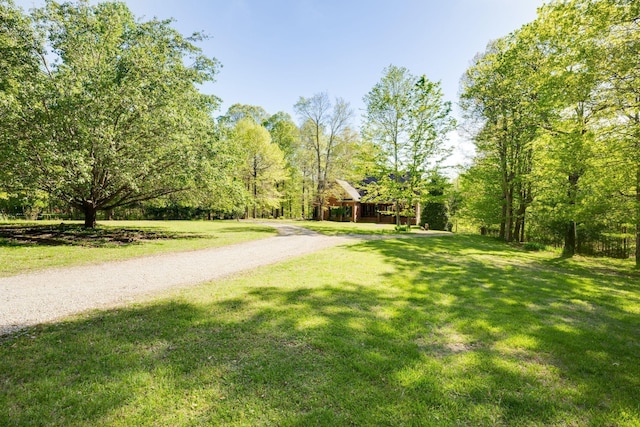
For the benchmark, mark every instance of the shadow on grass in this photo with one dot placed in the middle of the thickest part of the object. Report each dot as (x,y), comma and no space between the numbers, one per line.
(77,235)
(463,332)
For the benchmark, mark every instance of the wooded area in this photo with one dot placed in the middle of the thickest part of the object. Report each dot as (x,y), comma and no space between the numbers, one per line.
(554,112)
(101,114)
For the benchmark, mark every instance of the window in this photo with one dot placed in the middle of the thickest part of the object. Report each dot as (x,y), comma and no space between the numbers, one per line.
(369,210)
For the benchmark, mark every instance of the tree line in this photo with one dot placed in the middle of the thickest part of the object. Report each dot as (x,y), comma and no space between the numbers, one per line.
(102,112)
(554,111)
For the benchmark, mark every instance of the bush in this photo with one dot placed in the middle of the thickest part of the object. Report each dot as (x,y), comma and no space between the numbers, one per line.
(436,215)
(534,246)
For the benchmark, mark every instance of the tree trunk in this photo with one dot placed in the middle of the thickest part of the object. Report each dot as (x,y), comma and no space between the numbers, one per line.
(303,200)
(503,219)
(90,212)
(508,227)
(255,187)
(321,183)
(638,244)
(255,205)
(320,216)
(571,237)
(517,228)
(518,232)
(638,217)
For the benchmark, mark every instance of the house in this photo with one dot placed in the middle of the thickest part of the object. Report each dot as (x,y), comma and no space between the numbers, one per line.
(345,204)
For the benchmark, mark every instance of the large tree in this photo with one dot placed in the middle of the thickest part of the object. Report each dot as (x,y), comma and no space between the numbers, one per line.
(407,119)
(264,166)
(112,116)
(567,33)
(286,135)
(621,102)
(325,126)
(18,67)
(498,98)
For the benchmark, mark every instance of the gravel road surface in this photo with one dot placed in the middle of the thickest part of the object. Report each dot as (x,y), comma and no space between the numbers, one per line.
(29,299)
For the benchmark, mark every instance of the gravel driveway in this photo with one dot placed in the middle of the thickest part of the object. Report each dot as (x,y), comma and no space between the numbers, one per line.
(29,299)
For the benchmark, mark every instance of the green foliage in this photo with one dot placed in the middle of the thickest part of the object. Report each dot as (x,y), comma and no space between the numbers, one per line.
(23,204)
(534,246)
(112,116)
(407,119)
(327,145)
(553,110)
(435,212)
(498,97)
(263,168)
(286,135)
(238,112)
(18,65)
(434,215)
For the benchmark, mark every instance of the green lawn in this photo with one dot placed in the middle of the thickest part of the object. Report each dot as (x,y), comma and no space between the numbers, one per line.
(427,331)
(17,256)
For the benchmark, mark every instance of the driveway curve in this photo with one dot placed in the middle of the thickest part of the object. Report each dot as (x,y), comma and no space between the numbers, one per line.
(33,298)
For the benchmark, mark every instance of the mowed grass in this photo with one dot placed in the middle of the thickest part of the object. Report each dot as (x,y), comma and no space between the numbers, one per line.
(441,331)
(18,256)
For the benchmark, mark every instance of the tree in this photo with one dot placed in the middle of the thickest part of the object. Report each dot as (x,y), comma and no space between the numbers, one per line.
(435,213)
(565,33)
(408,119)
(286,135)
(481,191)
(264,166)
(323,127)
(499,98)
(284,132)
(621,102)
(555,106)
(237,112)
(18,66)
(112,117)
(223,191)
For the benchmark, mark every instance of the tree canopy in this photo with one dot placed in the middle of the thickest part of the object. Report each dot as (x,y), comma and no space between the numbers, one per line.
(325,132)
(407,119)
(109,113)
(553,111)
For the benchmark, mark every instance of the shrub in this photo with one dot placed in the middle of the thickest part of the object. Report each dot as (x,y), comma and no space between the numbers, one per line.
(534,246)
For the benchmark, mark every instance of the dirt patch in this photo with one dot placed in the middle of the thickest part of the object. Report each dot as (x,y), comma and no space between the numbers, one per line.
(77,235)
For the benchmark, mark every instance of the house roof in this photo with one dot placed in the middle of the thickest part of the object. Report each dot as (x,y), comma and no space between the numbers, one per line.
(348,188)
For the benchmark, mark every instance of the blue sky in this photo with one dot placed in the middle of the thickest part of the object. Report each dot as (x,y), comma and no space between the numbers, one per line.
(274,51)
